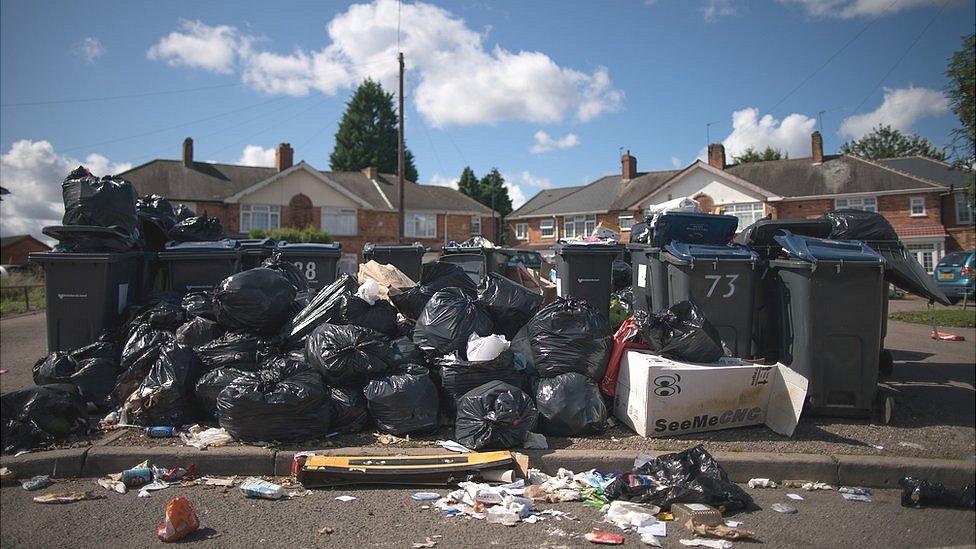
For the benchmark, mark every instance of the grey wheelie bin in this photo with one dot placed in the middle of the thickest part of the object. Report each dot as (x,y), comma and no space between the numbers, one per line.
(830,320)
(318,262)
(408,258)
(721,281)
(86,293)
(199,266)
(583,271)
(650,278)
(255,250)
(477,261)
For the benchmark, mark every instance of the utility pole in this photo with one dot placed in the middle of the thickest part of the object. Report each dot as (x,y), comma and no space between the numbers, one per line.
(401,231)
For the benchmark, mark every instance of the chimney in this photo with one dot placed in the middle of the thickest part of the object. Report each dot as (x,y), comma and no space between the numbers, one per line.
(371,172)
(716,155)
(628,166)
(816,143)
(284,156)
(188,152)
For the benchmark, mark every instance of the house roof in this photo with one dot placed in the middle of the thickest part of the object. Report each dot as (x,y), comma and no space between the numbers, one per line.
(219,182)
(18,238)
(839,174)
(608,193)
(543,198)
(932,170)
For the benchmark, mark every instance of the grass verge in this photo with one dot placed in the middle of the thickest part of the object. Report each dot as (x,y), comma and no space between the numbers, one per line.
(12,296)
(943,317)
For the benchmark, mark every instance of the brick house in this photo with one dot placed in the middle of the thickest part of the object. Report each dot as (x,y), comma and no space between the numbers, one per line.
(14,249)
(354,207)
(780,189)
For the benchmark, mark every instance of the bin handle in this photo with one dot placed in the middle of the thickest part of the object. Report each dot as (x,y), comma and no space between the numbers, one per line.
(840,264)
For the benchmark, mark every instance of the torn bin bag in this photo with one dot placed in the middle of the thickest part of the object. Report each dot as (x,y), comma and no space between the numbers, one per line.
(448,320)
(163,397)
(347,356)
(460,376)
(690,476)
(198,332)
(681,332)
(322,309)
(39,416)
(208,388)
(276,405)
(138,356)
(570,405)
(509,304)
(567,336)
(495,415)
(403,402)
(350,413)
(257,300)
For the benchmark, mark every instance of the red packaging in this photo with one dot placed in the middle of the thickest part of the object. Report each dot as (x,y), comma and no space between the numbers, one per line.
(180,520)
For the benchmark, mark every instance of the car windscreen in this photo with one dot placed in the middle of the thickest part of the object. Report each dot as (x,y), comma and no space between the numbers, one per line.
(954,259)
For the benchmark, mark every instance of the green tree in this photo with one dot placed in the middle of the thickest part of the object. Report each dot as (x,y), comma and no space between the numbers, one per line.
(469,184)
(886,142)
(367,134)
(752,155)
(491,192)
(961,91)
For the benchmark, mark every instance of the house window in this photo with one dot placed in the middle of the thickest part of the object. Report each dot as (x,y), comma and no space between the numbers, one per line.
(917,205)
(547,228)
(521,231)
(260,216)
(626,221)
(747,212)
(926,254)
(420,225)
(578,225)
(475,224)
(868,204)
(340,221)
(964,209)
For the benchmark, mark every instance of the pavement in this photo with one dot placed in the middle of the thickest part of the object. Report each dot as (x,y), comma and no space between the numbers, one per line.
(387,517)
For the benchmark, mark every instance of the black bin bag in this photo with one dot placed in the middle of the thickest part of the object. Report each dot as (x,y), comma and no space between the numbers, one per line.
(235,350)
(404,401)
(350,413)
(286,402)
(288,270)
(570,405)
(257,300)
(435,276)
(163,397)
(405,351)
(198,332)
(139,354)
(458,376)
(495,415)
(208,388)
(106,202)
(199,304)
(690,476)
(448,320)
(38,416)
(348,356)
(156,218)
(380,316)
(681,332)
(196,229)
(92,368)
(916,492)
(509,304)
(859,225)
(566,335)
(324,308)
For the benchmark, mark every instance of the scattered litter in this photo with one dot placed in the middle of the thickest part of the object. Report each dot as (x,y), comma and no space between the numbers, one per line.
(946,336)
(665,516)
(733,523)
(713,543)
(160,431)
(658,529)
(796,497)
(3,371)
(179,521)
(876,446)
(648,539)
(856,497)
(856,490)
(345,499)
(6,476)
(425,496)
(452,446)
(137,476)
(261,489)
(202,438)
(326,530)
(535,441)
(428,542)
(795,483)
(720,531)
(626,515)
(600,537)
(814,486)
(912,445)
(219,481)
(917,492)
(532,519)
(386,438)
(66,497)
(697,512)
(783,508)
(36,483)
(146,490)
(761,483)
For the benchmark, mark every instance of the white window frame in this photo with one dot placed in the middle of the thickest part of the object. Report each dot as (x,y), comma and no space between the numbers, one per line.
(332,214)
(963,206)
(522,231)
(625,221)
(928,254)
(247,216)
(746,212)
(430,225)
(547,226)
(865,203)
(916,201)
(572,225)
(476,225)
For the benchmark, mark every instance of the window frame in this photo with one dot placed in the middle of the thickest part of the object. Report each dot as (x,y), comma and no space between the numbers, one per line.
(336,211)
(273,212)
(755,212)
(409,220)
(912,202)
(861,200)
(962,204)
(476,219)
(522,231)
(587,220)
(551,228)
(620,221)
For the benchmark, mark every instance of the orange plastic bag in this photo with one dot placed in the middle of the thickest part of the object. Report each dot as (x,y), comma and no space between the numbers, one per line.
(180,520)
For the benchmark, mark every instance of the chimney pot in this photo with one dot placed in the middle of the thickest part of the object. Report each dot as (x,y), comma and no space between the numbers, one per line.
(188,152)
(816,143)
(716,155)
(371,172)
(284,156)
(628,166)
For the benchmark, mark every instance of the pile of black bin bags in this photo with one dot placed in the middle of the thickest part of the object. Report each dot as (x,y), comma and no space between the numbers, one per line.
(263,358)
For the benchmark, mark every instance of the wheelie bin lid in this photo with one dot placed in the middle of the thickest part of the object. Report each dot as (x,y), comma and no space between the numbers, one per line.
(761,232)
(818,249)
(592,248)
(258,244)
(309,249)
(694,228)
(687,253)
(216,249)
(416,246)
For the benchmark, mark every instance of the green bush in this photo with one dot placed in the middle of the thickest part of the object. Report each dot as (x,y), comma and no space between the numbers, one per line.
(291,234)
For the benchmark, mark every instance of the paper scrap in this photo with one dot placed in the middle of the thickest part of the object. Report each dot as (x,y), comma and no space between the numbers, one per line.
(345,499)
(797,497)
(733,523)
(713,543)
(453,446)
(856,497)
(657,529)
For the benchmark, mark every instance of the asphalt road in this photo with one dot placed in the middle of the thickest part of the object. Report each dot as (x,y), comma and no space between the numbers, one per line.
(389,518)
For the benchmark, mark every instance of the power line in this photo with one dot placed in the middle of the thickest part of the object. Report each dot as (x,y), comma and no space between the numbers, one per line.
(272,126)
(114,97)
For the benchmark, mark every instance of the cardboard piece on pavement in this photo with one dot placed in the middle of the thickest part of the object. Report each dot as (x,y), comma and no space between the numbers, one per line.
(659,397)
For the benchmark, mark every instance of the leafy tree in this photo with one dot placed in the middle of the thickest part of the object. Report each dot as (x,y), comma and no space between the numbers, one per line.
(961,90)
(469,184)
(752,155)
(491,192)
(886,142)
(367,134)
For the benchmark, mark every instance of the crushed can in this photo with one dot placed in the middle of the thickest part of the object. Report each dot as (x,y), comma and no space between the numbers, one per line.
(136,477)
(160,431)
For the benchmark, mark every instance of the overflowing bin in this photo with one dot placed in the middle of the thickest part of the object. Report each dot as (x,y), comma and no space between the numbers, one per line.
(86,293)
(830,330)
(198,266)
(408,258)
(254,251)
(318,262)
(583,271)
(477,261)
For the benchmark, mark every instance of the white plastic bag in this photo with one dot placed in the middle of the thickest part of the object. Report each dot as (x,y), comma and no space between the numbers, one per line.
(369,291)
(485,348)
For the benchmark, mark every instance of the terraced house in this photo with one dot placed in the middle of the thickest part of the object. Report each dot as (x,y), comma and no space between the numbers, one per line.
(922,199)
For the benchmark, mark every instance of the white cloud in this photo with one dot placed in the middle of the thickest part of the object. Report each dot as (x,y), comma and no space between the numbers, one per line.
(533,181)
(675,162)
(544,143)
(255,155)
(200,46)
(791,135)
(455,77)
(33,172)
(516,194)
(89,49)
(847,9)
(714,9)
(900,109)
(441,181)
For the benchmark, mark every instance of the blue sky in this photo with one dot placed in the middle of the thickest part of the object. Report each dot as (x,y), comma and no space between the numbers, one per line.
(548,92)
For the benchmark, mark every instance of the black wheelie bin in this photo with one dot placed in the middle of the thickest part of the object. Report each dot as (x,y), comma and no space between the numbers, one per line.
(583,271)
(408,258)
(318,262)
(199,266)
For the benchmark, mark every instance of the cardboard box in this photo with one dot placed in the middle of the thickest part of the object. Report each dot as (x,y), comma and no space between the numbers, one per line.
(659,397)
